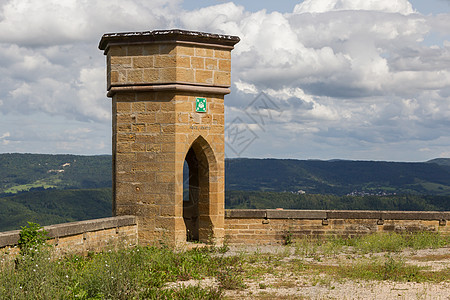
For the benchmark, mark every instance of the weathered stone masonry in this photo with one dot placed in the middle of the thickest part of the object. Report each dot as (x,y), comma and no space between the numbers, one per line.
(154,79)
(271,226)
(252,226)
(82,237)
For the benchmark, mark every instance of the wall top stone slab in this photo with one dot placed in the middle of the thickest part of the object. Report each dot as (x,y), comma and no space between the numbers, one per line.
(176,35)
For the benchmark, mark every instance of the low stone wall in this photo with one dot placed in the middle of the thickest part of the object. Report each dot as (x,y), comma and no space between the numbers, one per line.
(82,237)
(271,226)
(265,226)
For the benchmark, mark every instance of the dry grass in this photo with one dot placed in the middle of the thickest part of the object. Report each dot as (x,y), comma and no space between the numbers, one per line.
(307,269)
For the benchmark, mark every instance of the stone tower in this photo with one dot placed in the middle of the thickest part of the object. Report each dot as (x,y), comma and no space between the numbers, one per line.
(167,89)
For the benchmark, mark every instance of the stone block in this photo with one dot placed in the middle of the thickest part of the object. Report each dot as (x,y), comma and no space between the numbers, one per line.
(168,49)
(211,64)
(223,54)
(354,214)
(246,213)
(185,50)
(135,50)
(296,214)
(183,62)
(222,78)
(165,117)
(225,65)
(143,62)
(150,49)
(117,51)
(9,238)
(165,61)
(204,52)
(185,75)
(204,76)
(167,75)
(121,62)
(135,76)
(198,62)
(149,119)
(150,75)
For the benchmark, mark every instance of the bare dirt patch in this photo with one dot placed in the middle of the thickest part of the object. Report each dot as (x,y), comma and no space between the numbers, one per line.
(284,272)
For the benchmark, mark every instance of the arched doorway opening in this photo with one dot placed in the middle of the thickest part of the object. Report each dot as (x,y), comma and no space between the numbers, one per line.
(190,196)
(196,191)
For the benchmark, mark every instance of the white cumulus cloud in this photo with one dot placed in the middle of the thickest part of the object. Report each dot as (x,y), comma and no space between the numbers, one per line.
(321,6)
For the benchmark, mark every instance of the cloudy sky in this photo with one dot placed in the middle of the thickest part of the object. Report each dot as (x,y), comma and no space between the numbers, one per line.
(312,79)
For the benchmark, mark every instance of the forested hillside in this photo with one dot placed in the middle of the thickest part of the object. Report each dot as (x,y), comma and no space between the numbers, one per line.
(265,200)
(338,177)
(50,189)
(22,172)
(54,206)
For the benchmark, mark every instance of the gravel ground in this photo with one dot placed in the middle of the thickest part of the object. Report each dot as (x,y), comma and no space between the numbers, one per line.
(316,285)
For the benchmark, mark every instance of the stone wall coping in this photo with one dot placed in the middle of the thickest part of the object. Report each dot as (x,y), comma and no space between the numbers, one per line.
(335,214)
(246,213)
(172,35)
(10,238)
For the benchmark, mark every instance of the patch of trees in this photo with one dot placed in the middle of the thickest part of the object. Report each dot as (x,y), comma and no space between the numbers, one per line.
(267,200)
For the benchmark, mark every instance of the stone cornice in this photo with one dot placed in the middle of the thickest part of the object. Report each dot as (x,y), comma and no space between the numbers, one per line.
(169,87)
(168,36)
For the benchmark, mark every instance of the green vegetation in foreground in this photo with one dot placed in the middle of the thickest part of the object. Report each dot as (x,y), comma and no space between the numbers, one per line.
(287,200)
(159,273)
(137,273)
(53,207)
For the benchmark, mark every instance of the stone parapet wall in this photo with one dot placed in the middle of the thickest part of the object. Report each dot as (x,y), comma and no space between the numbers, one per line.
(84,236)
(265,226)
(270,226)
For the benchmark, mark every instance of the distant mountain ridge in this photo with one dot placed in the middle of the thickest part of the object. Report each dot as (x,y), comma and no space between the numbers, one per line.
(24,172)
(339,177)
(440,161)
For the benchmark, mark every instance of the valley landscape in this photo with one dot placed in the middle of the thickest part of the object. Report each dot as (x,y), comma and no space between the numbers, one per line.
(50,189)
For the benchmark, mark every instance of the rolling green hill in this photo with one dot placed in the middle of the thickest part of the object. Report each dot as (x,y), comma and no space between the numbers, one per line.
(22,172)
(338,177)
(53,207)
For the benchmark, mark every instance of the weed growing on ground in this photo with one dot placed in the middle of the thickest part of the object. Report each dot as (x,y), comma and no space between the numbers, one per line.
(288,238)
(381,242)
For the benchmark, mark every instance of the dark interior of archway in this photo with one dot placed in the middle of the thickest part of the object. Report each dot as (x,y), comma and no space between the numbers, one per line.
(191,196)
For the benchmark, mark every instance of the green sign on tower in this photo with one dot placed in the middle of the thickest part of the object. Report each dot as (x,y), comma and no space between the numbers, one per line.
(200,104)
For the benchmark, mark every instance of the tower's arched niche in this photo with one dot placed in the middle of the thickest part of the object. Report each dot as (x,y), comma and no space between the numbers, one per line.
(200,202)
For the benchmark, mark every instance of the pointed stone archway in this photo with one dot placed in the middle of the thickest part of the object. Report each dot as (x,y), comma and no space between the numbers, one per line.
(202,209)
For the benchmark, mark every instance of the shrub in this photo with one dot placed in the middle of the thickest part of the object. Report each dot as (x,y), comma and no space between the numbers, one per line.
(31,237)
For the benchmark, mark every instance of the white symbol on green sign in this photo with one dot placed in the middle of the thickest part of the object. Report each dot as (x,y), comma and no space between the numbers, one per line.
(200,104)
